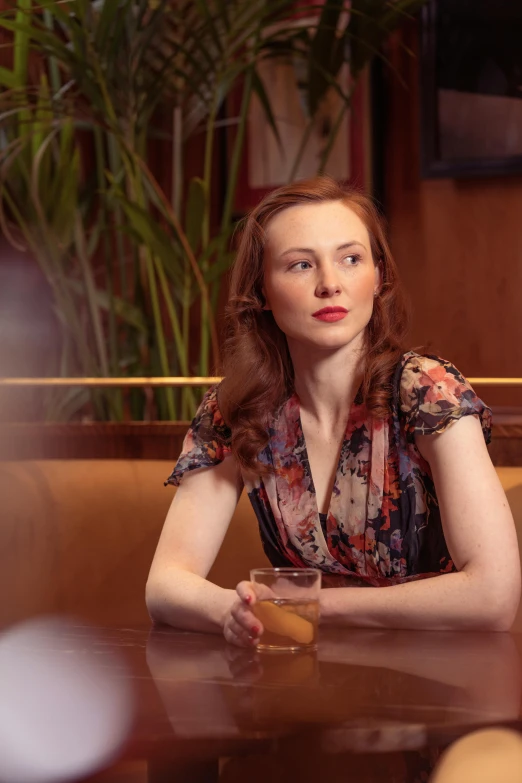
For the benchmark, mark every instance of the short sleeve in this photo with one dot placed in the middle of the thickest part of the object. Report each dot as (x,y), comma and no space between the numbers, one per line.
(433,395)
(207,442)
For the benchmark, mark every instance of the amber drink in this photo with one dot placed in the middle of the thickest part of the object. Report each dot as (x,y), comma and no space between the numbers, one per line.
(287,606)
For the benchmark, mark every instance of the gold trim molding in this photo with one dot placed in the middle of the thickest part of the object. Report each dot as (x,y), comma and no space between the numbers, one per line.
(110,382)
(181,381)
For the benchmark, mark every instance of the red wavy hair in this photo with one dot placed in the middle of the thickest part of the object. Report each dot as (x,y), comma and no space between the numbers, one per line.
(256,361)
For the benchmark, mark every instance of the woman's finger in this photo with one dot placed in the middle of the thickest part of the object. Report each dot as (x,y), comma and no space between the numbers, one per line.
(244,616)
(231,638)
(246,592)
(234,634)
(250,592)
(245,634)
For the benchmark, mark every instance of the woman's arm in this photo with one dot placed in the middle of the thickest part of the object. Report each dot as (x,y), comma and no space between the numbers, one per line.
(177,591)
(481,538)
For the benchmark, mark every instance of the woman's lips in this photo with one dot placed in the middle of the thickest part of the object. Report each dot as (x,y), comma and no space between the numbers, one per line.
(331,314)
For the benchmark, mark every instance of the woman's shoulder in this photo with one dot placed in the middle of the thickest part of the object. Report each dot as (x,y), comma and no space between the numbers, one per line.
(423,370)
(209,418)
(413,359)
(433,393)
(207,441)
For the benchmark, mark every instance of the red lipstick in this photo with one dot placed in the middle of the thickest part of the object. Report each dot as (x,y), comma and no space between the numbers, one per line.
(330,314)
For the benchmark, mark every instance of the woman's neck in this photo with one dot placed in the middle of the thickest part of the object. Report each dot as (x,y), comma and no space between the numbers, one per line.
(327,382)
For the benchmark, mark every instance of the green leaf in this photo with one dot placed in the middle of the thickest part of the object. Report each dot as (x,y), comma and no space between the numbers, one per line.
(326,52)
(8,78)
(204,8)
(112,63)
(43,116)
(54,71)
(67,403)
(63,191)
(111,11)
(143,226)
(128,312)
(47,40)
(259,89)
(21,41)
(371,22)
(218,268)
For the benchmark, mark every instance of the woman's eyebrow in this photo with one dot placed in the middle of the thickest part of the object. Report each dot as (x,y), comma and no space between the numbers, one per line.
(351,244)
(310,250)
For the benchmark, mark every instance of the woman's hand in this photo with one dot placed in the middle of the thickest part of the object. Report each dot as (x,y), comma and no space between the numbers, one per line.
(241,626)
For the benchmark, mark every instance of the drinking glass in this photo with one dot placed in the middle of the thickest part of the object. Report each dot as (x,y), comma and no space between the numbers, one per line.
(287,604)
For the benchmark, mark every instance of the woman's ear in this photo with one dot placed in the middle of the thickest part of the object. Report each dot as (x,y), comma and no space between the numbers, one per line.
(378,278)
(266,304)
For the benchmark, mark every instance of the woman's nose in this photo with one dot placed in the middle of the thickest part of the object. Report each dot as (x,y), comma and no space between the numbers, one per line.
(328,285)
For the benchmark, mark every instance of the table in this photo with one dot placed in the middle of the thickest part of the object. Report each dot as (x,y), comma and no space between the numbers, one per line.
(365,698)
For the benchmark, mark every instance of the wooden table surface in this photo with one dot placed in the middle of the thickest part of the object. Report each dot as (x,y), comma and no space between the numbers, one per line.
(196,699)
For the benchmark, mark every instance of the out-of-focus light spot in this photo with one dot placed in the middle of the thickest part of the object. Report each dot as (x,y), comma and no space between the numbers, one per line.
(485,756)
(65,702)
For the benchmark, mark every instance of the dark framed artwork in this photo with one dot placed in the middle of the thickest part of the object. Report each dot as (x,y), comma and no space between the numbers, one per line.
(471,88)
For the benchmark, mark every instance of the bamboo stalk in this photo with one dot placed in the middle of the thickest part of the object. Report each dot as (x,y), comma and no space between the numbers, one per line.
(185,327)
(176,332)
(160,336)
(182,345)
(238,149)
(115,166)
(107,249)
(206,306)
(115,400)
(90,294)
(54,71)
(233,177)
(170,214)
(135,190)
(177,160)
(21,44)
(207,170)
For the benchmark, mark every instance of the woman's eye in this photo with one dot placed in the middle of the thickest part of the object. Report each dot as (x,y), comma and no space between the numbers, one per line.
(301,265)
(352,260)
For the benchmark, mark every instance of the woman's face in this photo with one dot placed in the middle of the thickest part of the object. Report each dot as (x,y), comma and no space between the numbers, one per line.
(319,277)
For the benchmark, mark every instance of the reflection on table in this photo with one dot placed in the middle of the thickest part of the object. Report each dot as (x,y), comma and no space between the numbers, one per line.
(369,706)
(363,690)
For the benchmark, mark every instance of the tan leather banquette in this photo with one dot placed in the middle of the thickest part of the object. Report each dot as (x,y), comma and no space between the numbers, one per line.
(78,536)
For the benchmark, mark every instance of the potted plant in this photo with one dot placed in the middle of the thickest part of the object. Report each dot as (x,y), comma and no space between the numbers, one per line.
(136,257)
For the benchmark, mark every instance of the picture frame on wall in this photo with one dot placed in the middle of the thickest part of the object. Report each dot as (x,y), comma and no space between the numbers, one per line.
(269,162)
(351,161)
(471,88)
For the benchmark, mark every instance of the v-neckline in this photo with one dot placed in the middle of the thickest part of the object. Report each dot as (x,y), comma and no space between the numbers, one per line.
(306,459)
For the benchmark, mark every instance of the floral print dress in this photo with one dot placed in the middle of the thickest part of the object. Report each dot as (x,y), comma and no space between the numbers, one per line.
(383,525)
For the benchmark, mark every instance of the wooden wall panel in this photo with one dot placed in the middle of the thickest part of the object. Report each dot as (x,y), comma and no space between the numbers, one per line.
(458,244)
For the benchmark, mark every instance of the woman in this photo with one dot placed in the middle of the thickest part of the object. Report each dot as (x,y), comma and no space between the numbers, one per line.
(360,459)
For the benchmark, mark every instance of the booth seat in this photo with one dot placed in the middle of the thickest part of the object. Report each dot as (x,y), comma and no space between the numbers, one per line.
(78,536)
